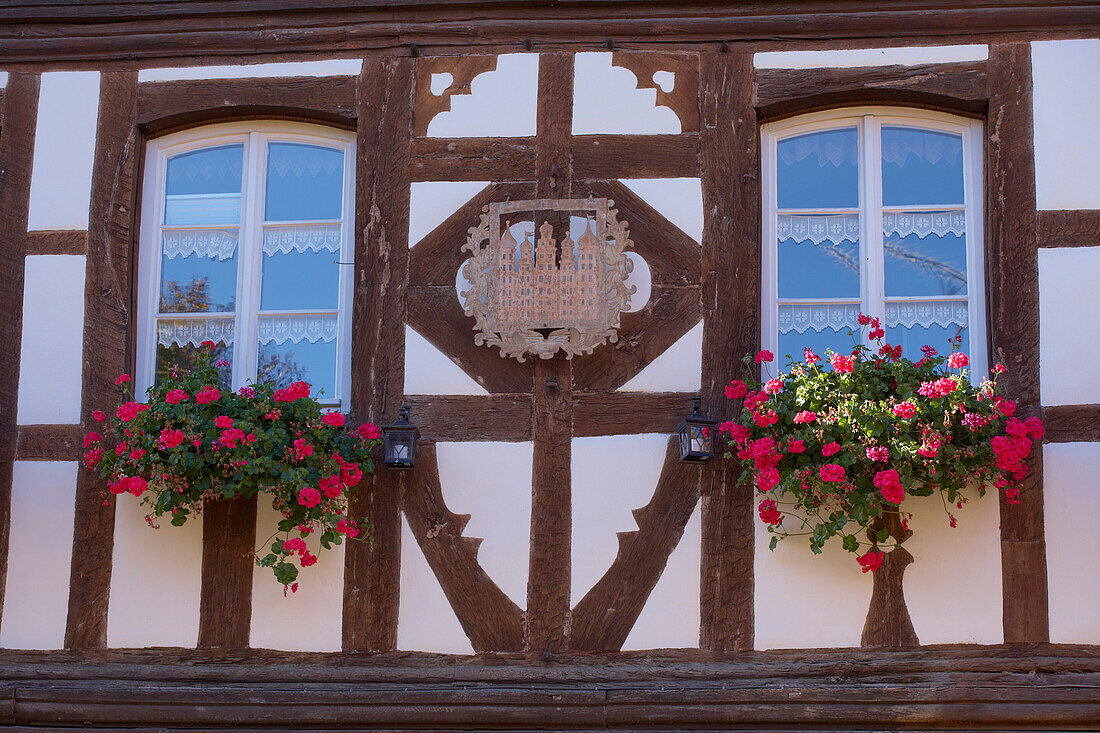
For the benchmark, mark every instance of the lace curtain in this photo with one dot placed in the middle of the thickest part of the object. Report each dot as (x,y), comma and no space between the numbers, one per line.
(297,328)
(897,145)
(941,313)
(302,238)
(219,244)
(193,331)
(801,317)
(838,228)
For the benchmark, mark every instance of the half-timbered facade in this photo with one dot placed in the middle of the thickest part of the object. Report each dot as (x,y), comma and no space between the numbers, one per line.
(296,181)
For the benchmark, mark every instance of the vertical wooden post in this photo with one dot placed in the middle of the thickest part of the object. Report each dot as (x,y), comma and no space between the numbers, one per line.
(730,168)
(225,603)
(1013,277)
(372,569)
(17,125)
(107,312)
(550,568)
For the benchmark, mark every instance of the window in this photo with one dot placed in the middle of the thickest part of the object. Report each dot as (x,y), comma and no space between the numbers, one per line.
(244,229)
(873,210)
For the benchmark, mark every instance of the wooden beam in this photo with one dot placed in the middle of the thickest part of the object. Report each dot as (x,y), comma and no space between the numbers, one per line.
(602,620)
(165,106)
(50,443)
(731,292)
(18,117)
(56,242)
(458,418)
(107,330)
(1076,228)
(472,159)
(491,620)
(372,569)
(1071,424)
(635,156)
(628,413)
(462,70)
(1013,282)
(956,87)
(225,601)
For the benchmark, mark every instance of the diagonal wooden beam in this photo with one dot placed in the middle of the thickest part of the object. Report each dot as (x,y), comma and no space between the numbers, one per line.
(604,617)
(488,616)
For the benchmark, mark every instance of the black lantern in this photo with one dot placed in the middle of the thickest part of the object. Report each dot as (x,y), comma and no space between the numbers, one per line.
(696,435)
(399,441)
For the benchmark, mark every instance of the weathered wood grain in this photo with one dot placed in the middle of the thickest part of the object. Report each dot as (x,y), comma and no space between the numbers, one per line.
(1071,424)
(107,344)
(602,620)
(491,620)
(628,413)
(372,569)
(50,443)
(602,157)
(456,418)
(165,106)
(956,87)
(462,69)
(1074,228)
(18,117)
(1013,284)
(473,159)
(683,98)
(731,294)
(56,242)
(225,600)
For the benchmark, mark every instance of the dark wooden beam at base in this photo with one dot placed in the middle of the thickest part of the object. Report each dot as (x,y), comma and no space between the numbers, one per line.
(228,546)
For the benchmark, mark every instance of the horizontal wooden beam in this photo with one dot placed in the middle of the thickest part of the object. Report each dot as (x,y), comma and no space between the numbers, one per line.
(454,418)
(635,156)
(960,87)
(57,242)
(628,413)
(49,443)
(1071,228)
(472,159)
(1071,424)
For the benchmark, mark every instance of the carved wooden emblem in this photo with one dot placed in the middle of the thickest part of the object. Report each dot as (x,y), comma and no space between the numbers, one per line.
(563,290)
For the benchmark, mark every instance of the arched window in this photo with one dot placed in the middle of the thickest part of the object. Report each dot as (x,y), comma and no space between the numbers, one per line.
(876,210)
(243,231)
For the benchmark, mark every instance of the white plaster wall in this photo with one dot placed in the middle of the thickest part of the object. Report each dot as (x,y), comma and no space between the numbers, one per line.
(670,618)
(3,79)
(1071,510)
(429,371)
(309,620)
(53,338)
(900,56)
(953,587)
(640,280)
(501,103)
(156,578)
(425,620)
(680,200)
(64,149)
(327,67)
(1069,325)
(1066,105)
(431,202)
(678,369)
(492,483)
(36,596)
(606,99)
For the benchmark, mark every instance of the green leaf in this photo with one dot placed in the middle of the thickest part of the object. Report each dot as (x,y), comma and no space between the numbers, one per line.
(773,543)
(851,544)
(881,536)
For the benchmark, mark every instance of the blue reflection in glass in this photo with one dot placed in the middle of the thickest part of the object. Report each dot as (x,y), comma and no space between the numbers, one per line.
(793,343)
(921,167)
(304,182)
(196,284)
(210,170)
(826,270)
(300,280)
(288,362)
(931,265)
(819,170)
(935,335)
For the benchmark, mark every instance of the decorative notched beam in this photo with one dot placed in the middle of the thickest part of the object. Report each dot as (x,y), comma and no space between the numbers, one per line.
(683,98)
(462,69)
(491,620)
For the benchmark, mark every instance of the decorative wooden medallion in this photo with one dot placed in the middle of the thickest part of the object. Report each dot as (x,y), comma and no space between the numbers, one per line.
(562,291)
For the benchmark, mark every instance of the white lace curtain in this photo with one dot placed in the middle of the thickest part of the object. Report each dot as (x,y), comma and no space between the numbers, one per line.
(838,228)
(831,148)
(945,313)
(840,317)
(293,328)
(221,244)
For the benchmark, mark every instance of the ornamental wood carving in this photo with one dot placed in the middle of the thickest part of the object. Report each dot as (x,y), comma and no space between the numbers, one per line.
(554,293)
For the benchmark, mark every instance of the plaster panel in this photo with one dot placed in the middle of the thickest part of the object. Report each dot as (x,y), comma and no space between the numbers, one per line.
(953,587)
(36,597)
(327,67)
(309,620)
(156,579)
(492,483)
(3,79)
(680,200)
(606,100)
(612,476)
(678,369)
(425,620)
(64,150)
(1069,373)
(640,280)
(431,202)
(1066,103)
(1071,508)
(501,103)
(844,58)
(53,340)
(429,371)
(670,618)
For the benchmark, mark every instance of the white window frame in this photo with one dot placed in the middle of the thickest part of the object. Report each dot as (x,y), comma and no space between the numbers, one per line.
(869,122)
(255,137)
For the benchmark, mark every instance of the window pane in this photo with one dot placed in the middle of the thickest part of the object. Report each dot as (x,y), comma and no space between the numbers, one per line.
(198,270)
(179,339)
(299,347)
(819,170)
(916,324)
(817,326)
(925,253)
(304,182)
(921,167)
(204,187)
(299,268)
(818,256)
